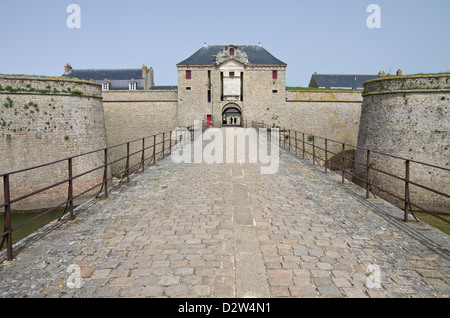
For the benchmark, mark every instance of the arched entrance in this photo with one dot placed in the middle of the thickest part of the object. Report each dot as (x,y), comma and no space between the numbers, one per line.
(232,115)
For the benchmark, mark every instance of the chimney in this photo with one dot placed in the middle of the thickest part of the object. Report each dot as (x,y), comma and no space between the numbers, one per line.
(399,72)
(144,71)
(67,68)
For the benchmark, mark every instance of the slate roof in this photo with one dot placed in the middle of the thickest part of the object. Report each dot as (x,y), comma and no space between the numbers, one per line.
(257,55)
(119,78)
(353,81)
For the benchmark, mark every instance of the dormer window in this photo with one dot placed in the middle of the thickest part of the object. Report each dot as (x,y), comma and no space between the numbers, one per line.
(132,86)
(105,86)
(231,51)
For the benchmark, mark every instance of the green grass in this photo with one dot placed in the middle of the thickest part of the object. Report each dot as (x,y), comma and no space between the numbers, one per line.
(292,88)
(439,73)
(435,222)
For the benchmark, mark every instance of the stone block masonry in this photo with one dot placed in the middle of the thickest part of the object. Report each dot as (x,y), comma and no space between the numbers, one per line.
(332,114)
(408,117)
(130,115)
(43,119)
(172,232)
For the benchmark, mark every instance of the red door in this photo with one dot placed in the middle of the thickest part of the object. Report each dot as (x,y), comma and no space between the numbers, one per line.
(209,120)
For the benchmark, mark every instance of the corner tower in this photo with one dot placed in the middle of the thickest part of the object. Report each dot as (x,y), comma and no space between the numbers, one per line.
(220,82)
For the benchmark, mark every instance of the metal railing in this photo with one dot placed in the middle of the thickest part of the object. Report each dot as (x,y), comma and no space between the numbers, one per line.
(319,150)
(160,145)
(157,146)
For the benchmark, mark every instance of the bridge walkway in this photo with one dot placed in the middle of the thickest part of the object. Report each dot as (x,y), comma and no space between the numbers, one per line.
(226,230)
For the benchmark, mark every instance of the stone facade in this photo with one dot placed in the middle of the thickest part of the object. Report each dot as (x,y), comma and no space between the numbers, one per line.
(255,85)
(45,119)
(408,117)
(207,89)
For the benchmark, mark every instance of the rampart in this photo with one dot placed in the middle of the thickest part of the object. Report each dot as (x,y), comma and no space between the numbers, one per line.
(131,115)
(43,119)
(407,116)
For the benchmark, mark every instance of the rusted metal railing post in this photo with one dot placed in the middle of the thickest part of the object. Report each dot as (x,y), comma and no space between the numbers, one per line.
(170,144)
(326,154)
(70,164)
(163,146)
(289,132)
(367,173)
(343,163)
(405,217)
(296,150)
(143,155)
(314,150)
(7,217)
(303,145)
(154,149)
(127,167)
(105,174)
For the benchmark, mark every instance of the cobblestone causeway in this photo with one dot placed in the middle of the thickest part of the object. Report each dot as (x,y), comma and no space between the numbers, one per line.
(225,230)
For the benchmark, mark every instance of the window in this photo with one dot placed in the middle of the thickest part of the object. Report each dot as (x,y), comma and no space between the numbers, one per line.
(105,86)
(188,75)
(274,91)
(231,52)
(274,74)
(132,86)
(231,74)
(188,88)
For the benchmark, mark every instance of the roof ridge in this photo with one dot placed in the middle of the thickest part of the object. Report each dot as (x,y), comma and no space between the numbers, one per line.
(232,44)
(348,74)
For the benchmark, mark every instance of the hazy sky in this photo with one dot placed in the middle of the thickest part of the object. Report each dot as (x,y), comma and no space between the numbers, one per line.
(324,36)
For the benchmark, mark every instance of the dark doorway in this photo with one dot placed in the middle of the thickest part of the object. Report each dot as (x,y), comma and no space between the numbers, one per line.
(232,117)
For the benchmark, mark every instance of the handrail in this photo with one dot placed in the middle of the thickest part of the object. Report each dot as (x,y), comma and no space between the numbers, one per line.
(163,141)
(406,196)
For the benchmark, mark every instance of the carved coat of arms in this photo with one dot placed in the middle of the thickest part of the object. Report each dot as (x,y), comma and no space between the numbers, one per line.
(224,56)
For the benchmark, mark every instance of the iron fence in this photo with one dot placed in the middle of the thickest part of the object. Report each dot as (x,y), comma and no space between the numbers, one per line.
(319,150)
(156,147)
(150,149)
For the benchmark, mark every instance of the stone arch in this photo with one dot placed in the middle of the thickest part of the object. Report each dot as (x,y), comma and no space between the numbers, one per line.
(232,115)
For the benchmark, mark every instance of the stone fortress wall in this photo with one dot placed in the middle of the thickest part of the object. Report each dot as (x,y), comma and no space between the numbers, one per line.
(64,117)
(332,114)
(43,119)
(130,115)
(408,117)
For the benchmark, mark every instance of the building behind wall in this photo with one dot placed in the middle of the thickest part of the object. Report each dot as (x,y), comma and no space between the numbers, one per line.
(115,79)
(217,78)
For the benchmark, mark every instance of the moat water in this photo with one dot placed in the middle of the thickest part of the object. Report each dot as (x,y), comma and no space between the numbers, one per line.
(18,218)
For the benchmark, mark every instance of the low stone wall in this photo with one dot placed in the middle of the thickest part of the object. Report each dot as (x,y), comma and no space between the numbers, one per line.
(407,116)
(332,114)
(43,119)
(131,115)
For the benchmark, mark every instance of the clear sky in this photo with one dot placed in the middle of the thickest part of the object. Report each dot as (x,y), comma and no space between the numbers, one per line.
(324,36)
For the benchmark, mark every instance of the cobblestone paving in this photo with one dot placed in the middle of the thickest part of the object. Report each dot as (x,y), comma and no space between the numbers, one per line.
(225,230)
